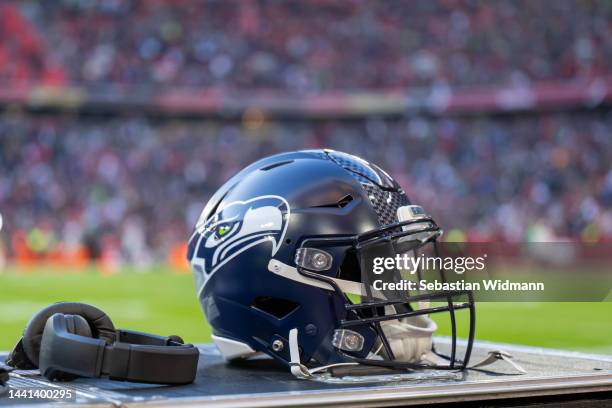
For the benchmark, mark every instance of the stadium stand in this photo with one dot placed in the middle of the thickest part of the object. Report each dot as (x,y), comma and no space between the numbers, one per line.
(126,184)
(138,185)
(323,44)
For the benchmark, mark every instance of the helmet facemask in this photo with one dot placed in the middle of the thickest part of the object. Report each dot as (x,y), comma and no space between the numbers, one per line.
(382,326)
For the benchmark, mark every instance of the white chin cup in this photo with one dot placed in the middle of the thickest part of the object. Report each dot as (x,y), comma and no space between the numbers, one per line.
(410,338)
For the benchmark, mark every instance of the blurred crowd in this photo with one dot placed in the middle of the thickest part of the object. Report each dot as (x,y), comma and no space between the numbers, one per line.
(303,46)
(131,188)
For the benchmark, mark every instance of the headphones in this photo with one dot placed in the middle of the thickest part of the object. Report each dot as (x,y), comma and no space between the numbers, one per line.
(4,377)
(67,340)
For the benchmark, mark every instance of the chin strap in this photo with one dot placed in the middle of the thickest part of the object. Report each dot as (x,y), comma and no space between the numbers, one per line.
(298,369)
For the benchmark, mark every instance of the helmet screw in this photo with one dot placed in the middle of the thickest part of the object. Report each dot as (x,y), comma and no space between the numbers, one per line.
(311,329)
(277,345)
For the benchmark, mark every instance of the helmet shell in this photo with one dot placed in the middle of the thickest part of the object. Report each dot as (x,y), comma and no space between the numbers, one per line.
(266,211)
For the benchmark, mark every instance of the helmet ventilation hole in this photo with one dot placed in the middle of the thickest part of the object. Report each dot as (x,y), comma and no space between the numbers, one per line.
(341,203)
(274,165)
(276,307)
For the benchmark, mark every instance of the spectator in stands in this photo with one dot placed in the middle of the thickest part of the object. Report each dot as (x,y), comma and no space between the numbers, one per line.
(308,46)
(131,189)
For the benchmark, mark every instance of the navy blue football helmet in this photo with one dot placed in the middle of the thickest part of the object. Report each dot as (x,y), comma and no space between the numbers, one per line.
(282,257)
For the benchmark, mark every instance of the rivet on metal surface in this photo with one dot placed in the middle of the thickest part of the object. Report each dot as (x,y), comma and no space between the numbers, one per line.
(278,345)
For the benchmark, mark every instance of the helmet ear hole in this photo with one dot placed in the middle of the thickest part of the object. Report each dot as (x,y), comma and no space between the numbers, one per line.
(276,307)
(350,269)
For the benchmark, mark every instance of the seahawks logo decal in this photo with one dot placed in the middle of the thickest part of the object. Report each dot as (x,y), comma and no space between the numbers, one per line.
(236,227)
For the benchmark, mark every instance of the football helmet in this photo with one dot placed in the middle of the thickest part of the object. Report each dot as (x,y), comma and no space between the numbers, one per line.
(282,256)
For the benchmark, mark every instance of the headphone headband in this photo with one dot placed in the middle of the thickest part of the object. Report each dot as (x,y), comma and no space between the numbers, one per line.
(101,324)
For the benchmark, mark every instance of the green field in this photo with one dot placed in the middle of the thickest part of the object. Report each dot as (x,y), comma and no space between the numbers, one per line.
(165,303)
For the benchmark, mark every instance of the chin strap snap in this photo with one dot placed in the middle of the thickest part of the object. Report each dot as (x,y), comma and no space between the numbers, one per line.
(298,369)
(496,355)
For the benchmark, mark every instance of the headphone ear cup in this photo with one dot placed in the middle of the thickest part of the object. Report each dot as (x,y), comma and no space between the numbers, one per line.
(32,336)
(76,324)
(19,359)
